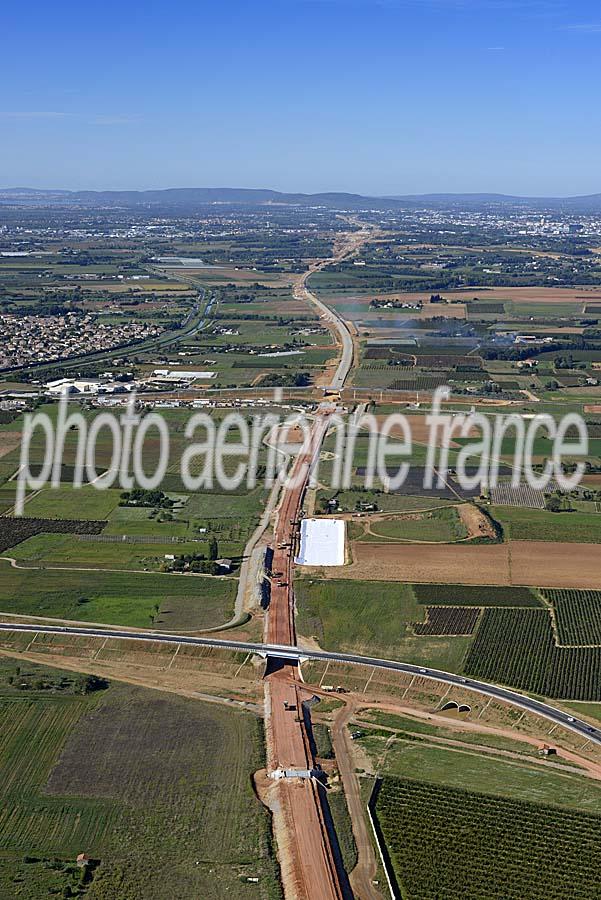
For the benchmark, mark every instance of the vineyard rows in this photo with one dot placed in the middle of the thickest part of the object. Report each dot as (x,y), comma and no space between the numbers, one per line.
(448,620)
(578,615)
(469,595)
(447,843)
(522,496)
(418,383)
(14,531)
(517,647)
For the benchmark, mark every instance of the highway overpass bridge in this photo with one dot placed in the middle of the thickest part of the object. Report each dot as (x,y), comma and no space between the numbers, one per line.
(297,654)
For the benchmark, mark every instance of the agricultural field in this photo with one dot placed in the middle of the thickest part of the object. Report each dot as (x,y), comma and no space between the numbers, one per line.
(77,788)
(135,554)
(138,600)
(502,635)
(67,502)
(431,832)
(437,527)
(515,563)
(468,595)
(454,620)
(14,531)
(516,647)
(377,620)
(577,616)
(521,524)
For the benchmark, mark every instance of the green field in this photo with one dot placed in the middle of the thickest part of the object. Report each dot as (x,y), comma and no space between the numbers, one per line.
(540,525)
(447,843)
(71,503)
(372,618)
(67,550)
(438,526)
(128,776)
(117,598)
(487,773)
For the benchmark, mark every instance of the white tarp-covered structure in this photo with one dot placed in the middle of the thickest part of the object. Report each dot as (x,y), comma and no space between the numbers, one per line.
(321,542)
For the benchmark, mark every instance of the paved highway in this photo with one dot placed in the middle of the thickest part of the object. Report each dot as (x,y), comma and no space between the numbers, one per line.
(564,719)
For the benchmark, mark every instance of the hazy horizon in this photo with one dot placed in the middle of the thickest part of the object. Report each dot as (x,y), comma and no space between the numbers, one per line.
(292,190)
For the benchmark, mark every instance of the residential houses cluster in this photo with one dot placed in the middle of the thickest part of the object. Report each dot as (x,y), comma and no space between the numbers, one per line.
(29,340)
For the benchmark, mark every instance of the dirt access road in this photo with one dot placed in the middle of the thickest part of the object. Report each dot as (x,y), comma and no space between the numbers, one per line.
(363,875)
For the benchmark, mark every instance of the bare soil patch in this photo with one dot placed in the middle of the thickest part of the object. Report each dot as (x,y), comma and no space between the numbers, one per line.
(9,441)
(420,431)
(475,521)
(533,563)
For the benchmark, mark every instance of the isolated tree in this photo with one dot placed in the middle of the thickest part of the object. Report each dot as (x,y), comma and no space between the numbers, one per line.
(213,549)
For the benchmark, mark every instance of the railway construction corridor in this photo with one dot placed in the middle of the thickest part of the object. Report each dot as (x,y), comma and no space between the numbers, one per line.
(307,856)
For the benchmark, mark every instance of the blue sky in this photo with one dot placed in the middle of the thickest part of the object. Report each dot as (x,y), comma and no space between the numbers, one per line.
(373,96)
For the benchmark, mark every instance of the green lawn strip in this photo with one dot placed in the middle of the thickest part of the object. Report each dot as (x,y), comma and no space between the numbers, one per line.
(343,827)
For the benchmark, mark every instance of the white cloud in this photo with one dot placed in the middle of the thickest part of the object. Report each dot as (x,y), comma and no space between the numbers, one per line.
(114,119)
(585,27)
(34,114)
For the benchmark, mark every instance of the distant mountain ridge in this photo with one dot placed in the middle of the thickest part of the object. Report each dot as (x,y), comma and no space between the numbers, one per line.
(584,201)
(191,198)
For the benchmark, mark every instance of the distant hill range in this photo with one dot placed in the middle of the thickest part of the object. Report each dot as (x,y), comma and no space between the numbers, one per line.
(189,199)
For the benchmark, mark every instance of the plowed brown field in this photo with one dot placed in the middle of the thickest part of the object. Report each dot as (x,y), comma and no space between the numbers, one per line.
(534,563)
